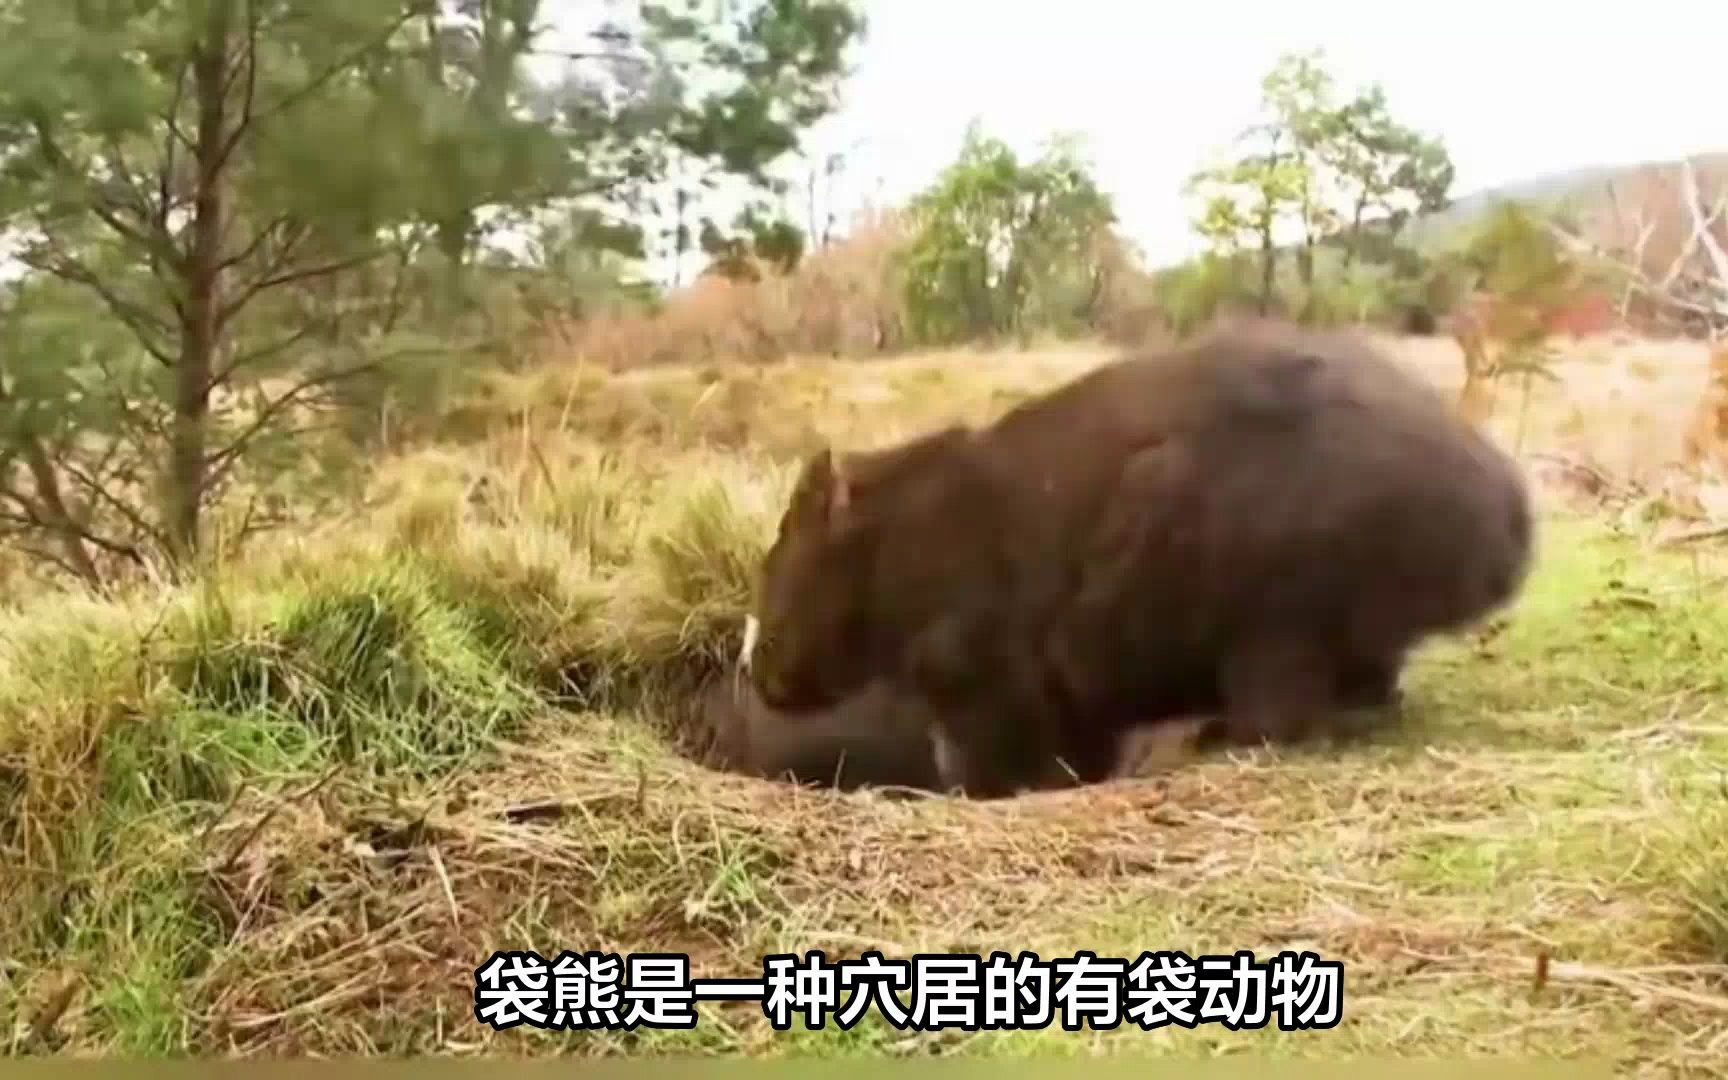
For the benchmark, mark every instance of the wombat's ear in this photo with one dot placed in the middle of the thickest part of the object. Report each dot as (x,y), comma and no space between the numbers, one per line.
(824,489)
(839,488)
(815,477)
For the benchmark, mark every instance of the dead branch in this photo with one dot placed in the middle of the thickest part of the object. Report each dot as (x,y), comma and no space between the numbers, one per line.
(317,82)
(1645,230)
(1699,235)
(223,375)
(31,517)
(1671,289)
(145,325)
(1701,226)
(58,519)
(220,462)
(43,555)
(289,277)
(76,175)
(1695,536)
(249,99)
(101,493)
(1636,277)
(256,244)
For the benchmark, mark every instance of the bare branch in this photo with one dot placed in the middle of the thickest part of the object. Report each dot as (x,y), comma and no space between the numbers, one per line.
(324,270)
(53,516)
(223,460)
(313,85)
(48,514)
(58,160)
(134,419)
(44,555)
(138,319)
(1645,229)
(257,242)
(117,162)
(167,195)
(1701,228)
(395,303)
(1657,291)
(171,115)
(280,257)
(1676,268)
(119,548)
(252,356)
(101,493)
(249,100)
(250,292)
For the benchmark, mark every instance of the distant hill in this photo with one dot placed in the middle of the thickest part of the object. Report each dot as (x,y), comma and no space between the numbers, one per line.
(1590,192)
(1612,206)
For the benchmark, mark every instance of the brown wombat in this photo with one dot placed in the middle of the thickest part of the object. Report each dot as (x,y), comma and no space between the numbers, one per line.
(1261,523)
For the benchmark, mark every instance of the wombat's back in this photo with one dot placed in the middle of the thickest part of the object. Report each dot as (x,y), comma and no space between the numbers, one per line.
(1321,484)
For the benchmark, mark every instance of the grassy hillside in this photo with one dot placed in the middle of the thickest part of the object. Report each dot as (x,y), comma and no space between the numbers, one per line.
(290,811)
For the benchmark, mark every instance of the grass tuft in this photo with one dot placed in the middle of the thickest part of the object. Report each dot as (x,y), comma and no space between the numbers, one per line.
(369,661)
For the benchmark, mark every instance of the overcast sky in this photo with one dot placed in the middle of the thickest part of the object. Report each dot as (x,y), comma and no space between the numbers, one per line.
(1515,88)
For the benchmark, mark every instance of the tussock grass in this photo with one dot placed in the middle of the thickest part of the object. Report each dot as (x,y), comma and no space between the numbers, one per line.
(779,412)
(291,809)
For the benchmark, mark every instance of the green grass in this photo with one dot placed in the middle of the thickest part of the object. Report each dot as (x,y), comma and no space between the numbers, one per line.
(291,810)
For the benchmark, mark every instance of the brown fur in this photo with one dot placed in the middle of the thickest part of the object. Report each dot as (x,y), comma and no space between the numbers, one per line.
(872,739)
(1261,523)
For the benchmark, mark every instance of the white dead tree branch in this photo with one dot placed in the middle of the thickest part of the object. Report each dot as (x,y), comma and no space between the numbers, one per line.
(1695,284)
(1715,283)
(1645,229)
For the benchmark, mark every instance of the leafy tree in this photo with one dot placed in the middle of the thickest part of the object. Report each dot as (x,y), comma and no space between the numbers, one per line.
(1004,247)
(1384,167)
(245,186)
(759,240)
(1298,93)
(1247,199)
(157,156)
(1520,275)
(1514,257)
(1323,165)
(696,101)
(1192,294)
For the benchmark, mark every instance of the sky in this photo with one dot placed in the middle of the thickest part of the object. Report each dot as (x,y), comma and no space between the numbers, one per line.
(1515,89)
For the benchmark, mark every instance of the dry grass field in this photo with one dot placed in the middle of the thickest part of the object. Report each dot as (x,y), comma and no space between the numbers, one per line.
(291,810)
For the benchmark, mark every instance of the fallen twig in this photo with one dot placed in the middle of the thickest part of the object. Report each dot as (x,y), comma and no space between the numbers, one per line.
(1693,536)
(1631,984)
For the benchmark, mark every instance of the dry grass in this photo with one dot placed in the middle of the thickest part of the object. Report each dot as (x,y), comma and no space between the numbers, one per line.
(1622,405)
(842,300)
(292,812)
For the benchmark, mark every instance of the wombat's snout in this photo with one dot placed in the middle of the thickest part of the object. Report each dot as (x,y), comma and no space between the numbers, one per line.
(771,686)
